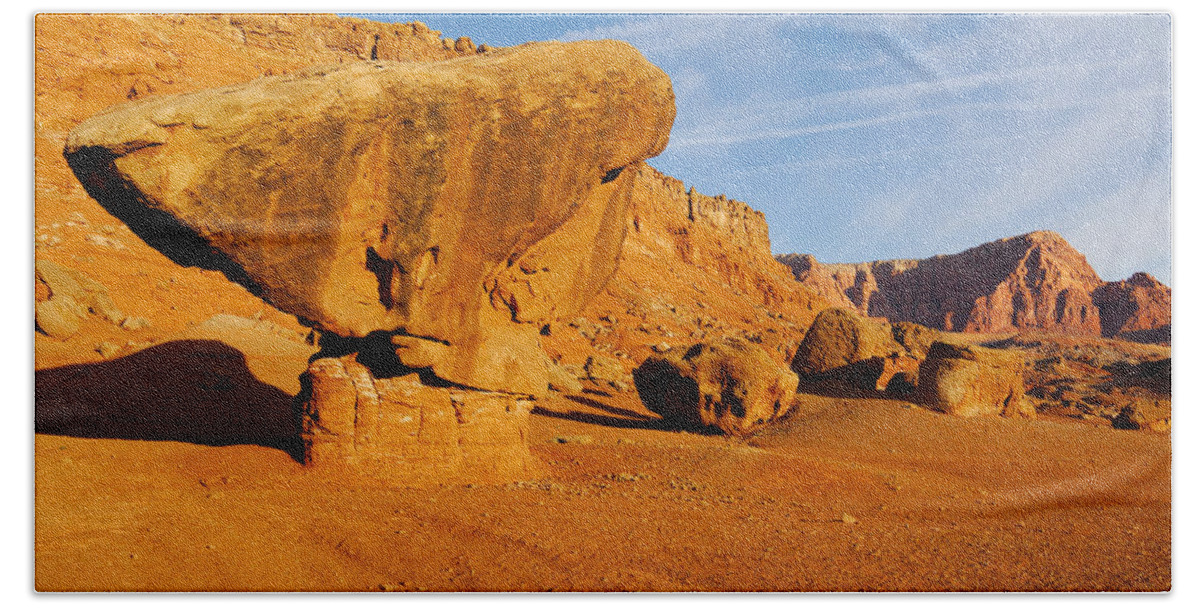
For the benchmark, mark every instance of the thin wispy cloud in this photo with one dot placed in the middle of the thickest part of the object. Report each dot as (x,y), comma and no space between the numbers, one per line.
(873,136)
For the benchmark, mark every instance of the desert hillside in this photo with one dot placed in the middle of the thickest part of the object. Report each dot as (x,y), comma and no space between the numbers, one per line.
(327,304)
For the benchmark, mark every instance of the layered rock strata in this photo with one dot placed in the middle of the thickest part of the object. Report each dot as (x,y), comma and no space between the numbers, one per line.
(1137,306)
(1032,281)
(459,204)
(403,431)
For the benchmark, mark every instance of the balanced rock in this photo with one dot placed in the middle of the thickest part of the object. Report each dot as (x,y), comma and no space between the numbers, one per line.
(407,432)
(465,203)
(732,385)
(972,380)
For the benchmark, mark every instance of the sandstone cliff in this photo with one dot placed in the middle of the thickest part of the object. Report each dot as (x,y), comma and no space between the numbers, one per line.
(693,267)
(1033,281)
(1138,308)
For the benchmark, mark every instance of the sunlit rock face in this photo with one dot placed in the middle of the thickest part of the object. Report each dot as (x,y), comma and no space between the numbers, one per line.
(458,205)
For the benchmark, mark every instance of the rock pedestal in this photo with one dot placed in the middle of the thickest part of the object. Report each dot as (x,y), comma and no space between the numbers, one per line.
(409,433)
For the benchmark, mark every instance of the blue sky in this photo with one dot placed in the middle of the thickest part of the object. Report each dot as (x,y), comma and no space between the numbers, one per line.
(875,136)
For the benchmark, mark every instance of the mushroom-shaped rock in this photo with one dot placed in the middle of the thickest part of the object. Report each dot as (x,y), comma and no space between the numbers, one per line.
(973,380)
(731,385)
(465,202)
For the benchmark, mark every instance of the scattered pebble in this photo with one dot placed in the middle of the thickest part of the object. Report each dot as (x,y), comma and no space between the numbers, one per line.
(580,439)
(103,241)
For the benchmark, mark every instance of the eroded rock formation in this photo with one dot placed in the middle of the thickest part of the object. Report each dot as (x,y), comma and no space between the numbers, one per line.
(403,430)
(1032,281)
(731,385)
(1138,308)
(459,204)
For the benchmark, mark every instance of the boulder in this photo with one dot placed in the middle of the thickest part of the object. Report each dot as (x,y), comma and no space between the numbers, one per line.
(915,338)
(408,433)
(465,203)
(843,347)
(972,380)
(840,337)
(1145,414)
(901,385)
(66,297)
(731,385)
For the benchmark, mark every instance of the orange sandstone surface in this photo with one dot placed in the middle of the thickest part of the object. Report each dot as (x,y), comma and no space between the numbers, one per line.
(171,421)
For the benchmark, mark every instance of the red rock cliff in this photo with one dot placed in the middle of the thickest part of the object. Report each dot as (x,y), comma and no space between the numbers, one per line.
(1033,281)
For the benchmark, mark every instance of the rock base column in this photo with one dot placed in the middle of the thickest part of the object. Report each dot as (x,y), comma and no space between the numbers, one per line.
(409,433)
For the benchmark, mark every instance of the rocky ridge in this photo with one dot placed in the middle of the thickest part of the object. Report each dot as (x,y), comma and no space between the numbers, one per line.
(1035,281)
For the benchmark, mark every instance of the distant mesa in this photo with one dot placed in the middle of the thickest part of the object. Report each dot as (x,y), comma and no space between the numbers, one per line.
(1035,281)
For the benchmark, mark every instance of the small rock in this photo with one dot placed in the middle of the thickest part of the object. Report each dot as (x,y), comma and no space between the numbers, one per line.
(58,317)
(103,241)
(135,323)
(600,368)
(107,349)
(661,347)
(562,380)
(577,439)
(849,519)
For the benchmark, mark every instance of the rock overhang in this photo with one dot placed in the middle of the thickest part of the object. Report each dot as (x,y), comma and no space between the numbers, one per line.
(457,201)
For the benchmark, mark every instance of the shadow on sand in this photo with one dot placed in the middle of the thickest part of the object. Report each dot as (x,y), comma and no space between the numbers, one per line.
(195,391)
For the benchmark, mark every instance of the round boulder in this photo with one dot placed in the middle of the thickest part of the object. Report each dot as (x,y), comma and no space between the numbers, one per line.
(731,385)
